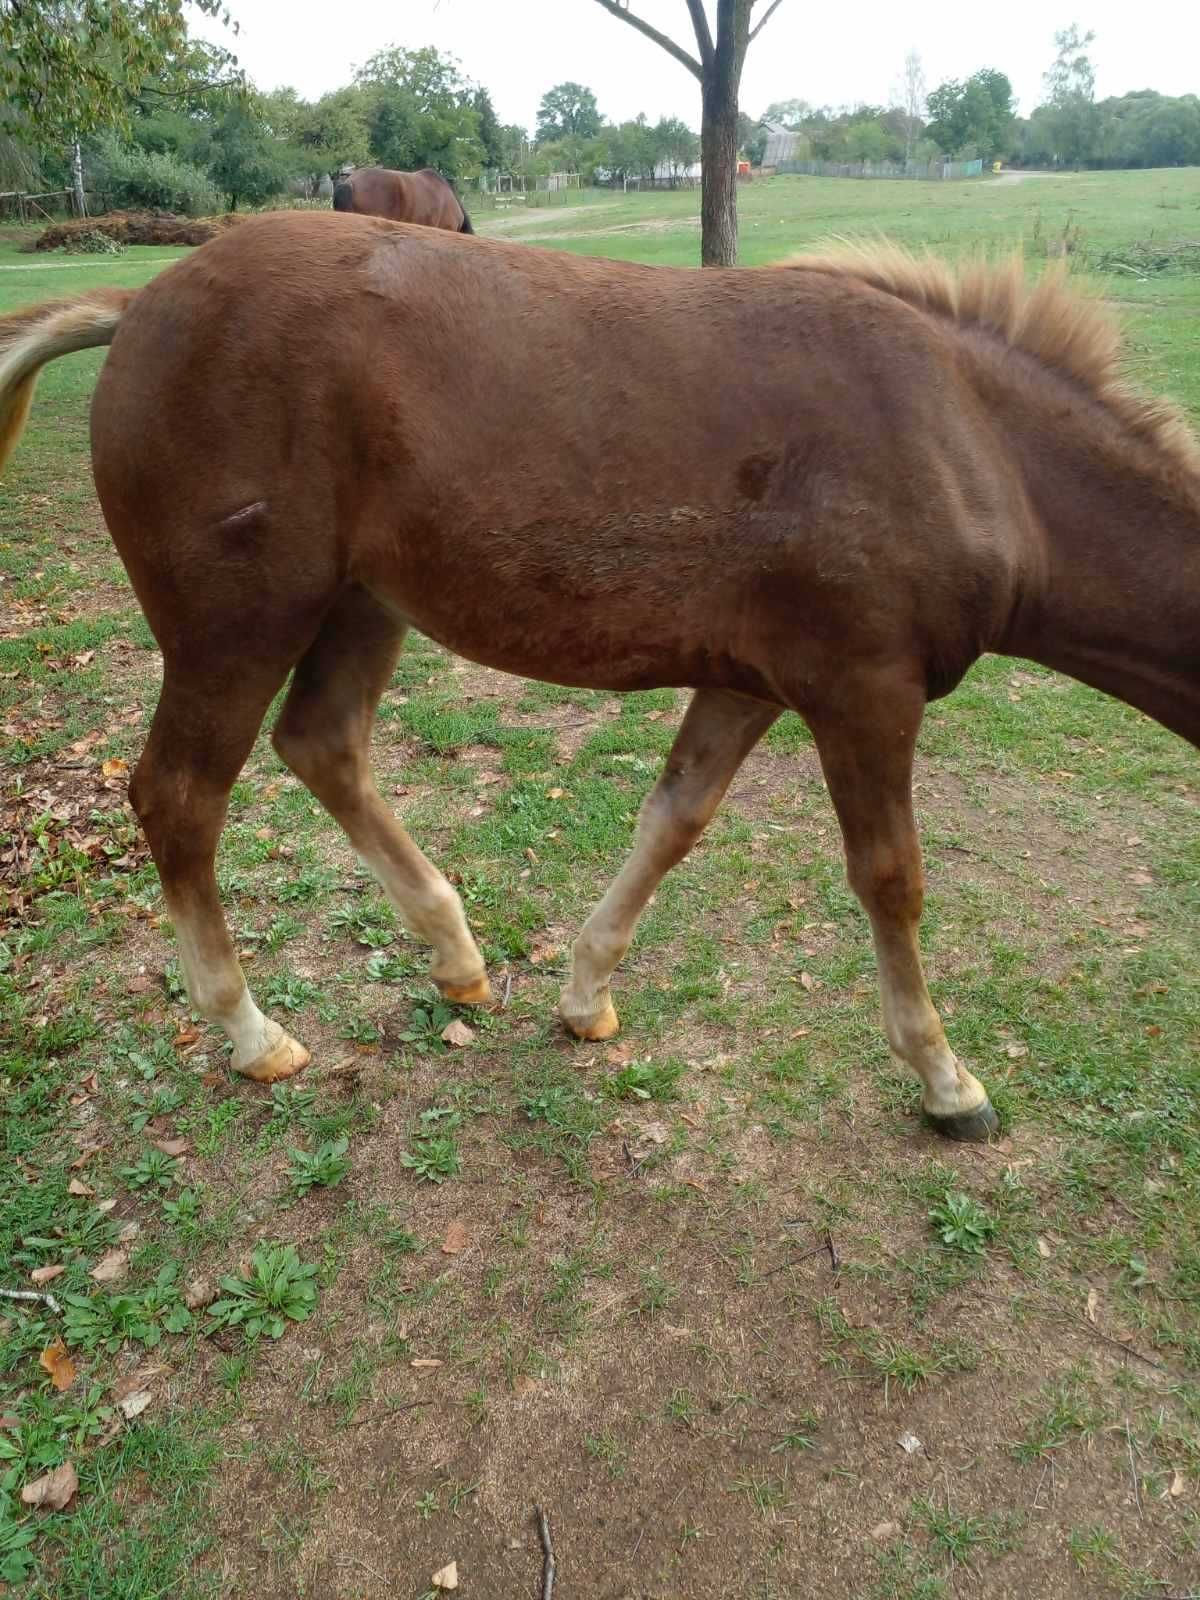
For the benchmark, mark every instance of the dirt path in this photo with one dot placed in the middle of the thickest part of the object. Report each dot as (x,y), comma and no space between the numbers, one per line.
(505,224)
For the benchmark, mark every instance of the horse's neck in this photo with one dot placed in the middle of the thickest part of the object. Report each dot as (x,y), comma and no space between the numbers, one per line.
(1113,597)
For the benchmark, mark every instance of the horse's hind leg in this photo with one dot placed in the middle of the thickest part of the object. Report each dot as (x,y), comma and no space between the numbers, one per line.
(324,733)
(866,745)
(718,732)
(203,730)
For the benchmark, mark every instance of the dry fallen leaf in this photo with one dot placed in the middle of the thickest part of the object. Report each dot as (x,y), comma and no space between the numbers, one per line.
(134,1404)
(77,1188)
(55,1360)
(456,1238)
(141,983)
(807,981)
(171,1147)
(542,952)
(1093,1300)
(1178,1484)
(458,1033)
(114,767)
(883,1531)
(909,1443)
(447,1578)
(46,1274)
(523,1384)
(619,1054)
(185,1037)
(199,1293)
(1044,1248)
(425,1361)
(54,1491)
(110,1267)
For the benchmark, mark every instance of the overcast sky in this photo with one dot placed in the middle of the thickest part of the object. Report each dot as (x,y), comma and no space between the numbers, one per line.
(828,54)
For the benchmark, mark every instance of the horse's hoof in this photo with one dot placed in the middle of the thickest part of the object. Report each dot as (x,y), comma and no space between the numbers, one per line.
(970,1127)
(602,1026)
(476,993)
(282,1060)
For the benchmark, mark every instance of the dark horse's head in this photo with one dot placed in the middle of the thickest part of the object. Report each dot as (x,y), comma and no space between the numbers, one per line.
(343,195)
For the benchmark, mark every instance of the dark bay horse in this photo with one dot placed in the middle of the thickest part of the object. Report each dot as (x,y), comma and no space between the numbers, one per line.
(827,486)
(423,197)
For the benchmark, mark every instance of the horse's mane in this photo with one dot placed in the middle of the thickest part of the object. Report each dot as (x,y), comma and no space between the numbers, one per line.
(1047,317)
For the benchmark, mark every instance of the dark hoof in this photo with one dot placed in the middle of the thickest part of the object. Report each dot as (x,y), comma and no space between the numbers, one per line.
(971,1127)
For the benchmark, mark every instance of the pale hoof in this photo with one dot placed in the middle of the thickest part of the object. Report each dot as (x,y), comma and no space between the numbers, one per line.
(602,1026)
(476,993)
(969,1127)
(283,1060)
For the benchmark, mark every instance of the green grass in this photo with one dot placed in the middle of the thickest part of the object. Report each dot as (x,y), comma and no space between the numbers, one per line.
(646,1230)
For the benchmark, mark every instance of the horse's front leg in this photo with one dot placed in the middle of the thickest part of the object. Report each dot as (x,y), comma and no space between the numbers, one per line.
(866,745)
(718,732)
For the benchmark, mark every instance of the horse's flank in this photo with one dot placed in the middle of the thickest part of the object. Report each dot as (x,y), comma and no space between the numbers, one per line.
(422,197)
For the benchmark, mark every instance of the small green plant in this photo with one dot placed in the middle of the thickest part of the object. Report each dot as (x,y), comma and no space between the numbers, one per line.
(962,1223)
(426,1024)
(681,1407)
(320,1168)
(425,1505)
(277,1289)
(282,930)
(801,1436)
(286,992)
(645,1080)
(16,1557)
(151,1170)
(360,1030)
(184,1210)
(607,1447)
(433,1158)
(365,925)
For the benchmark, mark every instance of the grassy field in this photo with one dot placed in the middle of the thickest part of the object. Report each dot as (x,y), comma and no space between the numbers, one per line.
(711,1295)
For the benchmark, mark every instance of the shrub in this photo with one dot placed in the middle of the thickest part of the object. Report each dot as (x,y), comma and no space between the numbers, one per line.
(132,177)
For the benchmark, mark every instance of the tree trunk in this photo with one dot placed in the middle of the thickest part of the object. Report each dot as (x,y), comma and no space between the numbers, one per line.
(79,198)
(718,169)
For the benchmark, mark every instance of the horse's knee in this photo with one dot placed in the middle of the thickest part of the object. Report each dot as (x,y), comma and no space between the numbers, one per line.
(890,884)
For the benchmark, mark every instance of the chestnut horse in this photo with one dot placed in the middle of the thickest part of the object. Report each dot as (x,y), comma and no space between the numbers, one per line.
(827,486)
(423,197)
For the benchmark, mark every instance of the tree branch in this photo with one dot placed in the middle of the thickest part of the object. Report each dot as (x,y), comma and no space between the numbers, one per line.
(759,26)
(703,34)
(669,45)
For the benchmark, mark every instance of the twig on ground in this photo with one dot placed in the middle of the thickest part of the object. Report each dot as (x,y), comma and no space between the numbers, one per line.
(635,1162)
(507,991)
(1038,1491)
(543,1525)
(392,1411)
(1137,1493)
(33,1294)
(353,1561)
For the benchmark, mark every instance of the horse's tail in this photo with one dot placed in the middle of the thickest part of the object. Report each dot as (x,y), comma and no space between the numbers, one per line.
(343,196)
(31,338)
(465,225)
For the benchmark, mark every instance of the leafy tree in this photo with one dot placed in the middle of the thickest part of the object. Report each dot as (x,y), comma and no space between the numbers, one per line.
(332,133)
(1071,96)
(69,67)
(489,133)
(244,161)
(791,114)
(568,109)
(419,112)
(912,100)
(752,137)
(675,145)
(972,116)
(718,67)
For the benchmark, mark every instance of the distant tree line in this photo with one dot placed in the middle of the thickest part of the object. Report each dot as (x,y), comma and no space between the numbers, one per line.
(117,90)
(976,117)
